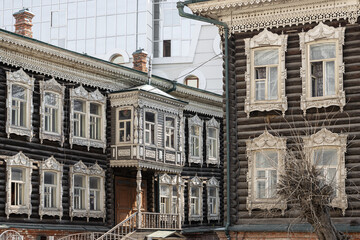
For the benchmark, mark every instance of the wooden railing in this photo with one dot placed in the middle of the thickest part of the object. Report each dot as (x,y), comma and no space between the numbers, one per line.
(121,230)
(83,236)
(159,221)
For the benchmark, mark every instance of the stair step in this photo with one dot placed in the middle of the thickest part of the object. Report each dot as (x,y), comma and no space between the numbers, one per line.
(140,235)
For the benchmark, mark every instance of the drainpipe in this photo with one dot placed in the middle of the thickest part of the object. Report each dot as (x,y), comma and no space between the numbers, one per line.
(182,13)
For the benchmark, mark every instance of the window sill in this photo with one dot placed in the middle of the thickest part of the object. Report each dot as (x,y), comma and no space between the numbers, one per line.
(50,212)
(22,131)
(280,105)
(266,204)
(88,142)
(320,102)
(18,210)
(56,137)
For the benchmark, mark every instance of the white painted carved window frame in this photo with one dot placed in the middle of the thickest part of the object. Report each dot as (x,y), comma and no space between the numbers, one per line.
(322,33)
(54,87)
(197,183)
(176,122)
(19,161)
(22,79)
(94,171)
(196,121)
(213,182)
(266,40)
(51,165)
(132,123)
(265,142)
(96,97)
(325,139)
(212,123)
(165,179)
(155,127)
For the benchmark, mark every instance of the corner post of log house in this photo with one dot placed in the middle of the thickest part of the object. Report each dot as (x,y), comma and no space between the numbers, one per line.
(138,197)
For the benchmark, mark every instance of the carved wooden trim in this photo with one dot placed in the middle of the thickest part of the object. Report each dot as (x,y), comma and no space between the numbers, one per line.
(326,139)
(213,182)
(22,79)
(196,121)
(275,41)
(212,123)
(19,161)
(51,165)
(88,97)
(93,171)
(196,182)
(264,142)
(52,86)
(317,34)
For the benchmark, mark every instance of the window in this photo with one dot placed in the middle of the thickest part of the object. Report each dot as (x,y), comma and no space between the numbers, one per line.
(51,172)
(87,191)
(19,103)
(51,111)
(150,128)
(322,67)
(168,194)
(195,199)
(195,125)
(327,150)
(165,198)
(88,118)
(18,185)
(212,141)
(170,132)
(213,199)
(124,125)
(265,164)
(192,81)
(265,72)
(167,48)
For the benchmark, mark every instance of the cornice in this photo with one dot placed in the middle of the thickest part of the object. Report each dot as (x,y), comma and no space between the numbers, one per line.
(147,164)
(250,15)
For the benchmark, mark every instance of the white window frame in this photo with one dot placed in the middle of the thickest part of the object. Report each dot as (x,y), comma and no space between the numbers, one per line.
(165,180)
(174,129)
(322,34)
(155,125)
(131,120)
(265,142)
(26,164)
(94,171)
(170,182)
(212,123)
(196,122)
(196,182)
(21,79)
(53,166)
(325,139)
(96,97)
(263,41)
(213,183)
(52,86)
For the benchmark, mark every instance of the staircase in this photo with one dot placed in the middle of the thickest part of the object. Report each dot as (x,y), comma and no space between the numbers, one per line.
(125,230)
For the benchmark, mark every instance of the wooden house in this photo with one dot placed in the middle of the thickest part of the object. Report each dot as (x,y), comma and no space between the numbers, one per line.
(88,146)
(292,64)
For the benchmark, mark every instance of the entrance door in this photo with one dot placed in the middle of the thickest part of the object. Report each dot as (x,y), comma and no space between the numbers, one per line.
(125,197)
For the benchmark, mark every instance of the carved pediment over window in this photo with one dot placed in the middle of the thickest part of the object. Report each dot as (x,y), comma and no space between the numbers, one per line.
(326,144)
(88,98)
(212,182)
(20,87)
(96,170)
(271,72)
(165,179)
(52,207)
(195,125)
(265,155)
(51,111)
(322,36)
(21,166)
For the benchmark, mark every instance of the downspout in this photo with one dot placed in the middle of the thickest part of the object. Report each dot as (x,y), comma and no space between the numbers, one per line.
(182,13)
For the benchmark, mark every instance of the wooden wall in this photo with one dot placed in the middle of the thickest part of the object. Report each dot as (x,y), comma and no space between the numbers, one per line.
(244,128)
(37,151)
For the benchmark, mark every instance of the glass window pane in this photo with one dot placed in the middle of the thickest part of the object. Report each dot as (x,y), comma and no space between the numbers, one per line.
(261,189)
(212,132)
(273,182)
(195,130)
(170,122)
(17,174)
(18,92)
(266,159)
(260,73)
(150,117)
(94,183)
(330,78)
(322,51)
(78,181)
(51,99)
(266,57)
(49,178)
(323,157)
(124,114)
(79,106)
(164,190)
(273,83)
(194,192)
(212,192)
(94,109)
(317,79)
(260,90)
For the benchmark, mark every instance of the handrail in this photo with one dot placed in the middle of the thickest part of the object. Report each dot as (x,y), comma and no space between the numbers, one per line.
(122,229)
(82,236)
(151,220)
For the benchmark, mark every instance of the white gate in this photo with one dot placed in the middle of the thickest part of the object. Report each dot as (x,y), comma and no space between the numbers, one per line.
(10,235)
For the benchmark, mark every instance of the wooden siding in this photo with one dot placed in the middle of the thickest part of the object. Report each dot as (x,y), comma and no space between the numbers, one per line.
(35,150)
(249,128)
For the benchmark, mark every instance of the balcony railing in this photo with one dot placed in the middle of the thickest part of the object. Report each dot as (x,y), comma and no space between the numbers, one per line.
(83,236)
(160,221)
(121,230)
